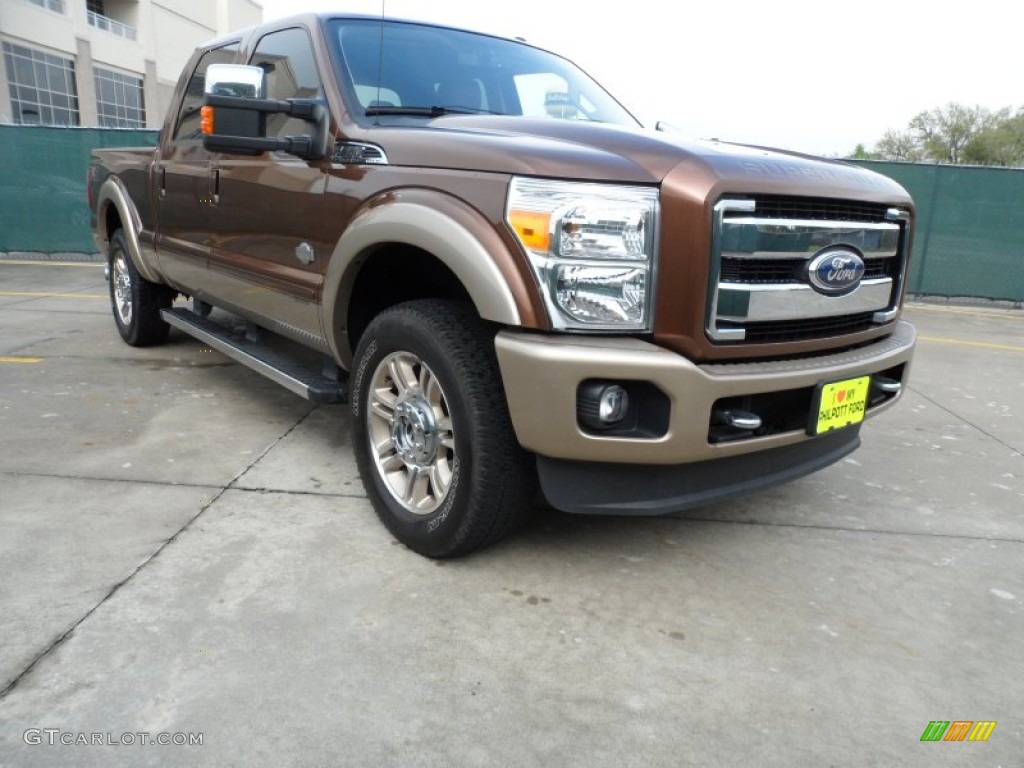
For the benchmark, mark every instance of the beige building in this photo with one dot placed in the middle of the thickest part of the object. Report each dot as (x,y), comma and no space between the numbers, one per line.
(104,62)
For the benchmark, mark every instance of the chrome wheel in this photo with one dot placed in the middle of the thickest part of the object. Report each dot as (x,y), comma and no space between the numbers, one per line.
(122,284)
(409,426)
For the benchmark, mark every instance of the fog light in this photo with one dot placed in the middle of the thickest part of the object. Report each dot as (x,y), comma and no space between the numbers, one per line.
(603,406)
(635,409)
(613,404)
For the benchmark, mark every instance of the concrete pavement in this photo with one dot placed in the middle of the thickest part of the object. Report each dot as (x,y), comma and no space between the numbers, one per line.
(187,550)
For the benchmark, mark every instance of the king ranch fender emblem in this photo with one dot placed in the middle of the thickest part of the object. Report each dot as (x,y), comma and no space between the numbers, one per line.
(836,271)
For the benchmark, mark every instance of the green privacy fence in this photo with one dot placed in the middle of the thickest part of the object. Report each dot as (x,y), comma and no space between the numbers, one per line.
(970,235)
(970,229)
(43,206)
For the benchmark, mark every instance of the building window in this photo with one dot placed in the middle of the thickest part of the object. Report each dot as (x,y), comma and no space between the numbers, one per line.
(119,99)
(41,85)
(57,6)
(96,6)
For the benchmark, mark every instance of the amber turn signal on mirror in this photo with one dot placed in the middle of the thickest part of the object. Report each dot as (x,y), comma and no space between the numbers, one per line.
(206,120)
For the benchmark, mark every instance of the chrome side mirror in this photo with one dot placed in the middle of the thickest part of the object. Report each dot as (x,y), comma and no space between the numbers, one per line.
(235,80)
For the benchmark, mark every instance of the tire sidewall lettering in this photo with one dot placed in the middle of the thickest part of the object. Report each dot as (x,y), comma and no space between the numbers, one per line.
(364,363)
(442,514)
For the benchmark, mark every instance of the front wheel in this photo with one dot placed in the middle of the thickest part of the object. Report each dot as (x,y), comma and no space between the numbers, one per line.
(433,439)
(136,302)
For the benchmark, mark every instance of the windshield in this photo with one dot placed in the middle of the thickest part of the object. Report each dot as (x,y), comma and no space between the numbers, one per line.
(426,71)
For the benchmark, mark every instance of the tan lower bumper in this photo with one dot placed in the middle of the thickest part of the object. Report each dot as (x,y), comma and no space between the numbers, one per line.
(541,375)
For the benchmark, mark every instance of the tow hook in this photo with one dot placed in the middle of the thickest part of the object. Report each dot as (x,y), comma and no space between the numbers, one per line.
(886,386)
(736,419)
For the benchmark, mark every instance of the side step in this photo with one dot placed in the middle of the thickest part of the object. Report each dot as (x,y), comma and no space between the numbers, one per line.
(277,367)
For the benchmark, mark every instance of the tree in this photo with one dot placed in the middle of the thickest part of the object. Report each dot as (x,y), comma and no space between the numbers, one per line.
(945,132)
(1002,144)
(860,152)
(955,134)
(899,145)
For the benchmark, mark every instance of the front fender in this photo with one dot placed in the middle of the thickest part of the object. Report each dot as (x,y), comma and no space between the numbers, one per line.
(454,233)
(113,193)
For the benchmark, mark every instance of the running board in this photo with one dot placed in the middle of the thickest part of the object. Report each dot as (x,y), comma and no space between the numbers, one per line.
(279,368)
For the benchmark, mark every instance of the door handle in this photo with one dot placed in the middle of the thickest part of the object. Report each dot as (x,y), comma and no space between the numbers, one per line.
(214,196)
(163,180)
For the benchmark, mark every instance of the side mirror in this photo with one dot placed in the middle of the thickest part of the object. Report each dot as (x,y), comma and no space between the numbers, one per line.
(234,115)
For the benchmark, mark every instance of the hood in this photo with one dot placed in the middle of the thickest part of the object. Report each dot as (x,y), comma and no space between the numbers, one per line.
(599,152)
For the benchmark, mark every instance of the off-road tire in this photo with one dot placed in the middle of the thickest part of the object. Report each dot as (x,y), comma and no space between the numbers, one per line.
(491,480)
(135,301)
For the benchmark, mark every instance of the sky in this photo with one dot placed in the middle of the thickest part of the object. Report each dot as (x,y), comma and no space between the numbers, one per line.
(815,76)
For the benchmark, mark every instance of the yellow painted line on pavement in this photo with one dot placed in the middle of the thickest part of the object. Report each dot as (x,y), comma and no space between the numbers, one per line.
(21,359)
(48,295)
(52,263)
(962,343)
(1008,314)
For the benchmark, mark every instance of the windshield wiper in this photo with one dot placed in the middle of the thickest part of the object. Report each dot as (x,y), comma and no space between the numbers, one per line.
(435,111)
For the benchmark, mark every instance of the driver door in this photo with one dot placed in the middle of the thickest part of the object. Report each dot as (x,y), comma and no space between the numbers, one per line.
(267,246)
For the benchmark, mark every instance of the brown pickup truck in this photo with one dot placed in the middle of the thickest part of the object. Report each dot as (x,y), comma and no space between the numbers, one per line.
(506,276)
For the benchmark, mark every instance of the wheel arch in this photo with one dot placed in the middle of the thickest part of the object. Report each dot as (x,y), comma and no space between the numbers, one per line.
(449,238)
(115,210)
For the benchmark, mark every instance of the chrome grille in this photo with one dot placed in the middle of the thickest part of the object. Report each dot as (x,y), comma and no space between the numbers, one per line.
(759,290)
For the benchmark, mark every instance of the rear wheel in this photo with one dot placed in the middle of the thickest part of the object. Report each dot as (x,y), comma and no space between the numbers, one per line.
(136,302)
(434,442)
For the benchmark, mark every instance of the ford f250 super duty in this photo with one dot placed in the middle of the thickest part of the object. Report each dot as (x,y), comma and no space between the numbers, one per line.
(507,278)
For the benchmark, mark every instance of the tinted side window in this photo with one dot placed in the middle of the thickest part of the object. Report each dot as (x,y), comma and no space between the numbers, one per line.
(287,58)
(187,128)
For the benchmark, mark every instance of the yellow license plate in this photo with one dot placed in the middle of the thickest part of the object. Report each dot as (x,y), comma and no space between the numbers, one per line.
(840,404)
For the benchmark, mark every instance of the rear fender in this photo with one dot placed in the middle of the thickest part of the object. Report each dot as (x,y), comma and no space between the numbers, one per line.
(113,193)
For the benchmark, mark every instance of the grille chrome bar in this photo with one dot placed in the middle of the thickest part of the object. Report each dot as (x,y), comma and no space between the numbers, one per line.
(753,238)
(721,210)
(903,217)
(762,302)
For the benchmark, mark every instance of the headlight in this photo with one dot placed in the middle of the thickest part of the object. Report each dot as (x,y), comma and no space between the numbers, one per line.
(592,248)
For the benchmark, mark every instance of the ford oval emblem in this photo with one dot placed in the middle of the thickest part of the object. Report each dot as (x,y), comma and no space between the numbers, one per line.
(835,271)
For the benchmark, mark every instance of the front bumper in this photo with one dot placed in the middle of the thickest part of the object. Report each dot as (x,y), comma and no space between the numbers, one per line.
(595,488)
(581,471)
(542,374)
